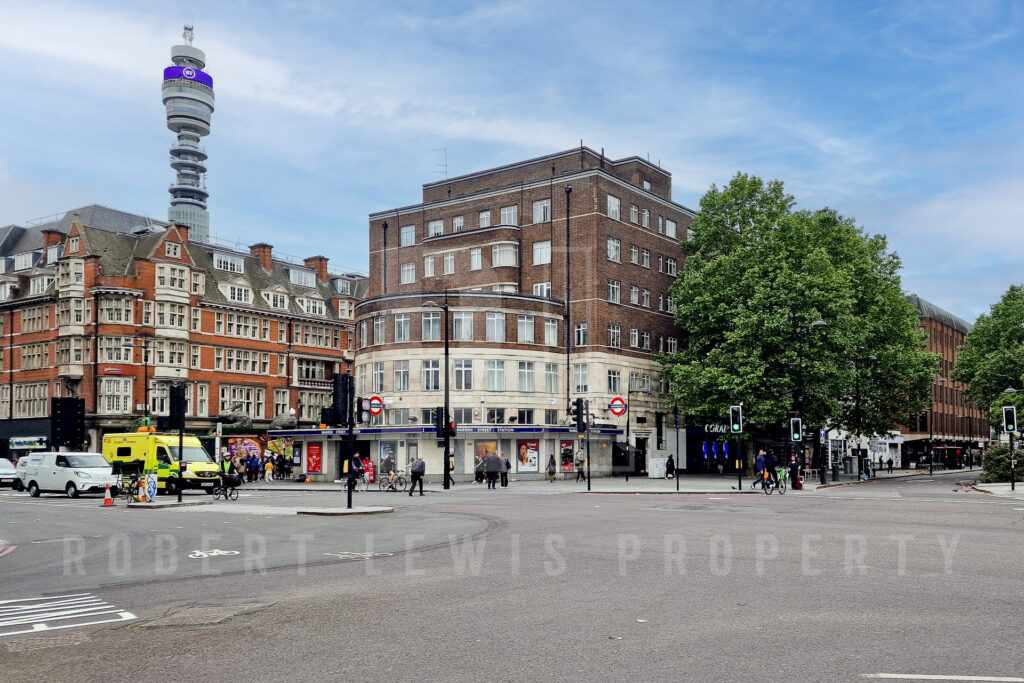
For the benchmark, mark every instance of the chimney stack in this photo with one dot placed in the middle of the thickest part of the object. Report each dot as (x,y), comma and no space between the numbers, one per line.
(263,251)
(183,231)
(319,264)
(51,238)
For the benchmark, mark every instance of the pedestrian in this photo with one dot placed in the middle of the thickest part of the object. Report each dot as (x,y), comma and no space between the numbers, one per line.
(770,464)
(670,468)
(268,469)
(889,463)
(478,469)
(506,465)
(759,464)
(794,471)
(418,469)
(551,468)
(721,465)
(580,466)
(492,466)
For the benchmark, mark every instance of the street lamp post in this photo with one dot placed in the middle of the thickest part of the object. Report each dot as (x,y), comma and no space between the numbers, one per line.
(1013,463)
(817,324)
(856,380)
(447,407)
(145,369)
(931,430)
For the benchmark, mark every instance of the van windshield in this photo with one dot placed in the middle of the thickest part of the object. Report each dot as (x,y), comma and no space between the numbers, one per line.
(190,454)
(87,460)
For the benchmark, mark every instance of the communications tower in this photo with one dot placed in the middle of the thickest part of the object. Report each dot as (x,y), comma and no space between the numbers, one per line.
(188,97)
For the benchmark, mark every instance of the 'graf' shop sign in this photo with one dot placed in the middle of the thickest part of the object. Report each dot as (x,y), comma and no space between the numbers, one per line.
(708,428)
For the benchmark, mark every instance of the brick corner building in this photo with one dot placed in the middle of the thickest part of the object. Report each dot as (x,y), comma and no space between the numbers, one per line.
(556,273)
(112,307)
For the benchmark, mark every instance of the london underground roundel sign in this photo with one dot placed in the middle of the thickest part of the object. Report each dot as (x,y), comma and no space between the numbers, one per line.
(618,406)
(376,405)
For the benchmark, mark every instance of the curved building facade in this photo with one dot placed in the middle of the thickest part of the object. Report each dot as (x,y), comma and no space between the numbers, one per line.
(505,250)
(188,99)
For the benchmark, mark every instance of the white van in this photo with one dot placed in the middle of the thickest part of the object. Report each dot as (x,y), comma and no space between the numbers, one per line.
(71,473)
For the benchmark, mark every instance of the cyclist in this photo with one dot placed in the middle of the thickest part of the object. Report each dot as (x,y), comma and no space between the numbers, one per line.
(759,463)
(770,464)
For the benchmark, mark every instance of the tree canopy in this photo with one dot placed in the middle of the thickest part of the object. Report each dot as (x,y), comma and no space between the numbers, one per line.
(992,358)
(758,276)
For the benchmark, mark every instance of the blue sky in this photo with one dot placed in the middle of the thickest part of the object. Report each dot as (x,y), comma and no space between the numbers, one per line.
(906,116)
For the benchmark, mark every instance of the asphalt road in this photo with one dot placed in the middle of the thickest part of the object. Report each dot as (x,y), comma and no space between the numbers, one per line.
(889,577)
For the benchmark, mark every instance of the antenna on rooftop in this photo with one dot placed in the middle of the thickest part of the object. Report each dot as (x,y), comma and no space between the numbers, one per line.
(443,164)
(187,34)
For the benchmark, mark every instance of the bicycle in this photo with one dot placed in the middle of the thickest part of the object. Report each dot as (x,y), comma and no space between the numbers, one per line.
(783,474)
(393,481)
(226,489)
(129,487)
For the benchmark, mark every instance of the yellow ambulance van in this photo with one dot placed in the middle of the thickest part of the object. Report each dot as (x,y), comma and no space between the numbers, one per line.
(159,453)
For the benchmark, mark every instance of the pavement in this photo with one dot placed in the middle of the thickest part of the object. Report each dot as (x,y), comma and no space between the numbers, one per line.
(1003,489)
(899,579)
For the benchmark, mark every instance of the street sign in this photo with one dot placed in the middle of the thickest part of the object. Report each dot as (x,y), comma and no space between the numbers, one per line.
(151,486)
(376,405)
(617,406)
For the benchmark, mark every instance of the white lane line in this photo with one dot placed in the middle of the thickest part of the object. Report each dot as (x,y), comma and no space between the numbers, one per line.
(71,611)
(935,677)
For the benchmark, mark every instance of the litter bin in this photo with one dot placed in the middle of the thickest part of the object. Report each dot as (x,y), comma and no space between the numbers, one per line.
(847,465)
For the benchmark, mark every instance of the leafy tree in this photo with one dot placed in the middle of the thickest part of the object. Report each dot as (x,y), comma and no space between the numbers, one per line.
(996,464)
(758,276)
(992,358)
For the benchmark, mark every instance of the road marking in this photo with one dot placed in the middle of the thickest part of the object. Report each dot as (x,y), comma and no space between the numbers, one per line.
(357,556)
(39,613)
(929,677)
(214,552)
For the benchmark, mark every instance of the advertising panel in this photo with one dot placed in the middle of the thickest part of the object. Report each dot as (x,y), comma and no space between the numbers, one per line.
(567,448)
(314,458)
(528,456)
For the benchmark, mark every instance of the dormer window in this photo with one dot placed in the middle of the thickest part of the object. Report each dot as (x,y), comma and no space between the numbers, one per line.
(23,261)
(311,306)
(52,254)
(302,278)
(343,286)
(241,295)
(39,284)
(276,300)
(172,249)
(232,264)
(72,245)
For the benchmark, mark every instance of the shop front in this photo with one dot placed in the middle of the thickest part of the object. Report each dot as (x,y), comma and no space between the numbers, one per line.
(711,449)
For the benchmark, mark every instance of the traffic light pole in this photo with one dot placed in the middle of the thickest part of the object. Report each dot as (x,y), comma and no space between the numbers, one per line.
(447,408)
(1013,473)
(588,446)
(350,438)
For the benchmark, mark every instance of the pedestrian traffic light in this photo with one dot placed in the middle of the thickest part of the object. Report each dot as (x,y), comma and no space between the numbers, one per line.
(439,421)
(176,407)
(796,429)
(581,420)
(452,428)
(1010,418)
(736,419)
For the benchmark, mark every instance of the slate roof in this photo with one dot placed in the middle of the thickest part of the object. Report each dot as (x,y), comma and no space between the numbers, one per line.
(929,310)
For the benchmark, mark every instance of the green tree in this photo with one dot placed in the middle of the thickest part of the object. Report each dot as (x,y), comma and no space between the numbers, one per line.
(758,275)
(992,357)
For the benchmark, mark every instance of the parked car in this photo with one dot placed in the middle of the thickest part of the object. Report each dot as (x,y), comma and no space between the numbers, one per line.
(8,474)
(71,473)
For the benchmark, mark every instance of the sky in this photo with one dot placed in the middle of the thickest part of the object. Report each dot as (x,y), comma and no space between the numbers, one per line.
(905,116)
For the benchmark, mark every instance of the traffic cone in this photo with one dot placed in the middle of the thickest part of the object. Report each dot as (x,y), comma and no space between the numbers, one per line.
(107,500)
(142,491)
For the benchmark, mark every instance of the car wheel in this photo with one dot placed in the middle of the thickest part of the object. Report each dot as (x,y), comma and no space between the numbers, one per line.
(33,489)
(171,487)
(71,490)
(17,485)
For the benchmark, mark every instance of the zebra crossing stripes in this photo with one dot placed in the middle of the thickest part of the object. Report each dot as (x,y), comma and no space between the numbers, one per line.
(35,615)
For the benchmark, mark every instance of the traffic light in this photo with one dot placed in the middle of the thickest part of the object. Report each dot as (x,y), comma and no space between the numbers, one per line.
(581,419)
(439,421)
(452,428)
(67,423)
(736,419)
(796,429)
(341,387)
(1010,418)
(362,410)
(177,402)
